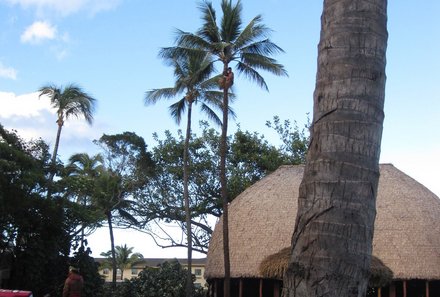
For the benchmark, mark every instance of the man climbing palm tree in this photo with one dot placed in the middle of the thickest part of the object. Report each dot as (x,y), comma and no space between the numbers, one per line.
(251,50)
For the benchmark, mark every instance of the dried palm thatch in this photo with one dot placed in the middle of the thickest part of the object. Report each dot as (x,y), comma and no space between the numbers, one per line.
(274,266)
(261,220)
(380,274)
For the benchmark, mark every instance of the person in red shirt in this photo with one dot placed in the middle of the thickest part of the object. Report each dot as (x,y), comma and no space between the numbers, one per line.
(227,80)
(73,284)
(229,76)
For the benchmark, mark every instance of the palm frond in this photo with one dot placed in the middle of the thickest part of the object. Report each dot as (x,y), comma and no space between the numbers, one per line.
(262,47)
(254,30)
(231,21)
(171,54)
(211,114)
(209,30)
(153,96)
(263,62)
(252,74)
(178,109)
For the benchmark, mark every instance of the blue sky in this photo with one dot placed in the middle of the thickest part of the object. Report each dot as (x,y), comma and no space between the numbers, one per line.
(110,47)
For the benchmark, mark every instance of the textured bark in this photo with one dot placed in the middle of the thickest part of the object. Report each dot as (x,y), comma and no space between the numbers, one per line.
(189,283)
(112,248)
(332,240)
(224,191)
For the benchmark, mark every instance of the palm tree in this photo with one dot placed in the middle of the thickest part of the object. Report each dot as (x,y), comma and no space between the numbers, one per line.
(85,169)
(332,240)
(251,50)
(70,101)
(125,257)
(108,198)
(192,79)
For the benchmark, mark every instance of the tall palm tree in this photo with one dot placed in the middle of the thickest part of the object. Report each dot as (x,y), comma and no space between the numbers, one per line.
(192,73)
(70,101)
(125,257)
(332,240)
(250,49)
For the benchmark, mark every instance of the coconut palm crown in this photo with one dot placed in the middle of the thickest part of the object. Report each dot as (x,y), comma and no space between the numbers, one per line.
(250,47)
(70,101)
(192,82)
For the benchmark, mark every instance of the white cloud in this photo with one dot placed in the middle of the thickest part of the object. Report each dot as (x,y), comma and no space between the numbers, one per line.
(38,32)
(7,72)
(33,117)
(66,7)
(26,106)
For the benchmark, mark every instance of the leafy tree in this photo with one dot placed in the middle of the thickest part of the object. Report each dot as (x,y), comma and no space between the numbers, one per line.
(250,157)
(127,166)
(70,101)
(80,176)
(332,240)
(166,280)
(251,51)
(192,79)
(125,258)
(35,239)
(89,269)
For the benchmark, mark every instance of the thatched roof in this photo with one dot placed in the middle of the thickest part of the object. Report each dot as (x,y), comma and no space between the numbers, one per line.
(261,222)
(275,265)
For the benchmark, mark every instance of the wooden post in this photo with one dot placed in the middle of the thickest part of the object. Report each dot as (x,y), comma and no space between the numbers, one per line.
(404,288)
(393,290)
(427,288)
(215,288)
(379,292)
(276,288)
(261,287)
(240,288)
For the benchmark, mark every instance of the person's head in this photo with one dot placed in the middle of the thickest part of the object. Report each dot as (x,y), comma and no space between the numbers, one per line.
(73,269)
(229,69)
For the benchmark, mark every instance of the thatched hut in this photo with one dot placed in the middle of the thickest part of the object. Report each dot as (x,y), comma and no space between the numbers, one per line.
(406,244)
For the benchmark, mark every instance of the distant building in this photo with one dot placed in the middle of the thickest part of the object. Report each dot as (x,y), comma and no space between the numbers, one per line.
(198,269)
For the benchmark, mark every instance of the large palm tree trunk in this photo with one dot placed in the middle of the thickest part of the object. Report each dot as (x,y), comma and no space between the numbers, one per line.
(332,241)
(224,190)
(186,200)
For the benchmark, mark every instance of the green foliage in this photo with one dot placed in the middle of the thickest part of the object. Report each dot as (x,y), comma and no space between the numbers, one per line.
(89,269)
(35,231)
(250,157)
(124,258)
(295,141)
(166,280)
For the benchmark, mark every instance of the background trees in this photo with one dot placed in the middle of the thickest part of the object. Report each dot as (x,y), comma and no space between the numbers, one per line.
(35,232)
(127,167)
(250,157)
(124,258)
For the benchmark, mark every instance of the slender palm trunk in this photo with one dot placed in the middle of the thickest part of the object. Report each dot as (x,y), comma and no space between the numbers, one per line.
(55,150)
(112,247)
(54,158)
(332,241)
(224,189)
(186,200)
